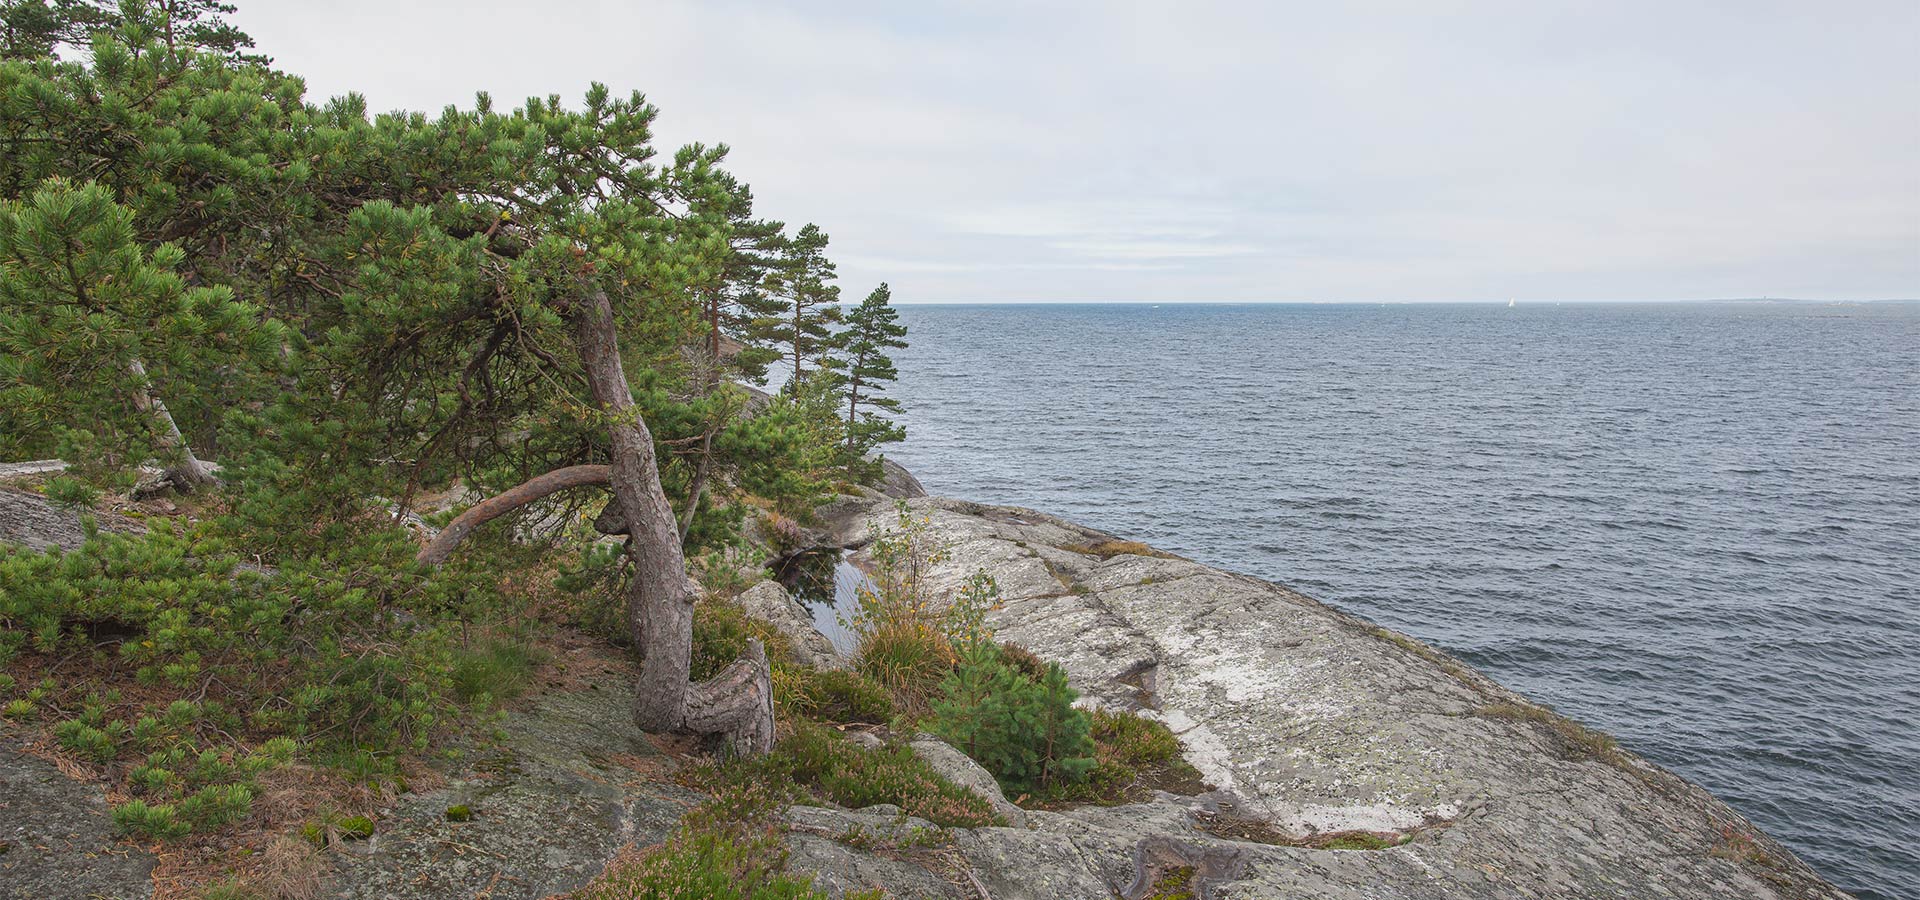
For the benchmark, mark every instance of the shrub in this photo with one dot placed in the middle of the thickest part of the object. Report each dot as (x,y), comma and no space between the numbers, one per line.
(136,818)
(1131,755)
(72,493)
(1025,731)
(1134,740)
(85,740)
(1023,661)
(906,639)
(216,805)
(727,848)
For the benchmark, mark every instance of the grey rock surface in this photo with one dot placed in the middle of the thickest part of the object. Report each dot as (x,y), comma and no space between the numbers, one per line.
(56,836)
(897,482)
(31,468)
(1311,722)
(771,602)
(32,521)
(571,784)
(960,769)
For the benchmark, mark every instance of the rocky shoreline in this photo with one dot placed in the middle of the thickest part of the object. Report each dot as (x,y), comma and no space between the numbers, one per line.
(1345,761)
(1311,722)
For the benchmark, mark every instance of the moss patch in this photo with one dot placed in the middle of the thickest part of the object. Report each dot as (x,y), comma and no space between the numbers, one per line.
(1173,884)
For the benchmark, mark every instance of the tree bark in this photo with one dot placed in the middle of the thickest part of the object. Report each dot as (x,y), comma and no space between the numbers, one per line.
(736,704)
(437,550)
(699,486)
(188,472)
(659,594)
(853,401)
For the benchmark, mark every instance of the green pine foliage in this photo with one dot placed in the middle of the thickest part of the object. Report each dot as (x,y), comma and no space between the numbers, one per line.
(1025,731)
(94,327)
(32,29)
(803,322)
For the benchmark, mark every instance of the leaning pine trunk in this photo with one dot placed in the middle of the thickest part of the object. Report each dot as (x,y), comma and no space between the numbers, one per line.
(737,704)
(188,471)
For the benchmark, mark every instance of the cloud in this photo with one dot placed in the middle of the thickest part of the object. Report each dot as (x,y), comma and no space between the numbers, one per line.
(1240,150)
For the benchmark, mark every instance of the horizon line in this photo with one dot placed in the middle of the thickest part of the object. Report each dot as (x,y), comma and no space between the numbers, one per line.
(1474,302)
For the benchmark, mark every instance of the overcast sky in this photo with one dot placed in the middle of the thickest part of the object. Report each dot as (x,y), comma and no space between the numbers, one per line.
(1239,151)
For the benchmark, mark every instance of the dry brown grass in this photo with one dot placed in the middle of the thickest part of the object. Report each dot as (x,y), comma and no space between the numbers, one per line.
(289,869)
(576,661)
(649,768)
(292,794)
(1111,549)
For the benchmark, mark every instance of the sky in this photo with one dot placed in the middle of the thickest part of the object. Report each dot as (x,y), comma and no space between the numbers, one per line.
(1238,151)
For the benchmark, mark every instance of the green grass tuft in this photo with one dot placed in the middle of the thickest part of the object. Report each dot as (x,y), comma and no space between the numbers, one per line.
(494,671)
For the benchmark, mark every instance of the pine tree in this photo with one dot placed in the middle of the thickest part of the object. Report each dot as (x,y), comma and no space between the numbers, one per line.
(37,28)
(30,29)
(95,331)
(733,304)
(736,303)
(499,298)
(873,328)
(807,318)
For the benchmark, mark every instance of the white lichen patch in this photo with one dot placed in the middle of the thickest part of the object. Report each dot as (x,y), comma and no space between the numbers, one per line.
(1380,816)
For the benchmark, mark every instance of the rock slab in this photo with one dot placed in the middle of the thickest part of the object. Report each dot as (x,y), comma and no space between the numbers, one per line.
(1315,723)
(56,836)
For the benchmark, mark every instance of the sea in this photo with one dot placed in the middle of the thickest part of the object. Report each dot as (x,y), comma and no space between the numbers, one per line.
(1695,526)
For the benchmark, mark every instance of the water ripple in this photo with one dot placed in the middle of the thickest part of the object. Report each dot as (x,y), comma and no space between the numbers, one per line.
(1696,526)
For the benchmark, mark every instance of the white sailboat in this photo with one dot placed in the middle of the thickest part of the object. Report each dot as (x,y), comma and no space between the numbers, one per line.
(1509,302)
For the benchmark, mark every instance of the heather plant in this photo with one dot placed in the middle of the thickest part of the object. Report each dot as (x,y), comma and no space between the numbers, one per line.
(814,764)
(832,695)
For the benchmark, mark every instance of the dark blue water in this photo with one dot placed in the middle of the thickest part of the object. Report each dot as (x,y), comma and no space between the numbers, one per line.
(1696,526)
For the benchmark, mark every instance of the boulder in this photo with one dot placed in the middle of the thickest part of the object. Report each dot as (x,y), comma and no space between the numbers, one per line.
(771,602)
(961,769)
(897,482)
